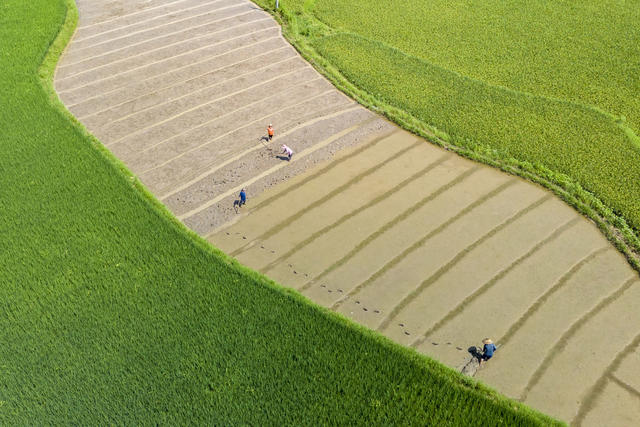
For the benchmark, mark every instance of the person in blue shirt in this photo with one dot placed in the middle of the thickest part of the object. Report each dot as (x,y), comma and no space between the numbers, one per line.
(488,350)
(243,197)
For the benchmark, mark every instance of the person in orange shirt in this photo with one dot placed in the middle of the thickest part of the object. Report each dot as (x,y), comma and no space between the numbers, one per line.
(270,131)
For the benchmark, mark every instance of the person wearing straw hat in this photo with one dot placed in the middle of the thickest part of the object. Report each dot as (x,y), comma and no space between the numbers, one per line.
(487,350)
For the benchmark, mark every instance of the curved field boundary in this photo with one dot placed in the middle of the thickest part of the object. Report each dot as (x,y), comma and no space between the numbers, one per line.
(114,312)
(613,224)
(430,249)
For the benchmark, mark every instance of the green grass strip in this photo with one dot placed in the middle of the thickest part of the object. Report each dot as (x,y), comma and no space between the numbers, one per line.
(112,312)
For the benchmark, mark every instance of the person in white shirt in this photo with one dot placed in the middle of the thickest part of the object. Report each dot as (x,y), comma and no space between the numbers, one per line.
(288,151)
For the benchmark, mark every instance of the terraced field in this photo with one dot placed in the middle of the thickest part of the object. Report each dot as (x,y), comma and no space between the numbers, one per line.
(432,250)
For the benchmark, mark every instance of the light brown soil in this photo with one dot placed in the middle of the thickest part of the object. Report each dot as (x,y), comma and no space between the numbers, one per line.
(432,250)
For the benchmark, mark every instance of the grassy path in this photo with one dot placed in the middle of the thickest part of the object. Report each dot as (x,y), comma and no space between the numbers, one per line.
(111,312)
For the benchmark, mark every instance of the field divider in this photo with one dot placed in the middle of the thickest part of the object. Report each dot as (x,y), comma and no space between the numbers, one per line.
(631,390)
(460,255)
(187,94)
(172,137)
(420,242)
(321,94)
(207,103)
(594,392)
(353,213)
(333,193)
(168,58)
(504,340)
(251,148)
(128,15)
(562,342)
(555,234)
(299,157)
(114,76)
(320,172)
(177,83)
(400,217)
(109,52)
(137,24)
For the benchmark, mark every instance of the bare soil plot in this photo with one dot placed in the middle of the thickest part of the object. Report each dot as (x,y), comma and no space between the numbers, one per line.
(434,251)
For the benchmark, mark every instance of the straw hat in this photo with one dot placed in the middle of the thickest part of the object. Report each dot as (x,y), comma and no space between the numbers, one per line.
(487,341)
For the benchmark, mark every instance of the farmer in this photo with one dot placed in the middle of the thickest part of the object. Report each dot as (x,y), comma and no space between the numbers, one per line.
(243,197)
(288,151)
(487,350)
(270,131)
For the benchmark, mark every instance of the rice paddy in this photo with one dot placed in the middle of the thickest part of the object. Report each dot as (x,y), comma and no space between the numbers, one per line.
(113,312)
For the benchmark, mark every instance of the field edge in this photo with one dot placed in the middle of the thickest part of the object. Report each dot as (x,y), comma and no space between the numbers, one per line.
(46,72)
(299,28)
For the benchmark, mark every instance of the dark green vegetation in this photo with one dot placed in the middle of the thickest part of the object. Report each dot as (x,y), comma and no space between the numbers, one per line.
(546,90)
(111,312)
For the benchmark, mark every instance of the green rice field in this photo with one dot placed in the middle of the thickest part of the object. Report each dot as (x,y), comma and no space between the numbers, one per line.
(111,312)
(553,87)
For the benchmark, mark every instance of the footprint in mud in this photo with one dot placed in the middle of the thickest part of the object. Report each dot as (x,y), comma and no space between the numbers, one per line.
(295,272)
(434,343)
(273,252)
(365,308)
(376,311)
(401,325)
(340,290)
(357,302)
(244,237)
(322,286)
(406,333)
(261,247)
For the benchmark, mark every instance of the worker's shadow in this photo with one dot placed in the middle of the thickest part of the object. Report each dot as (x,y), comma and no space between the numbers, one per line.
(236,204)
(281,157)
(264,138)
(475,352)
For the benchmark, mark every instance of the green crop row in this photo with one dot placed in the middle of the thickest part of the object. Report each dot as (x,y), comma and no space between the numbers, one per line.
(111,312)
